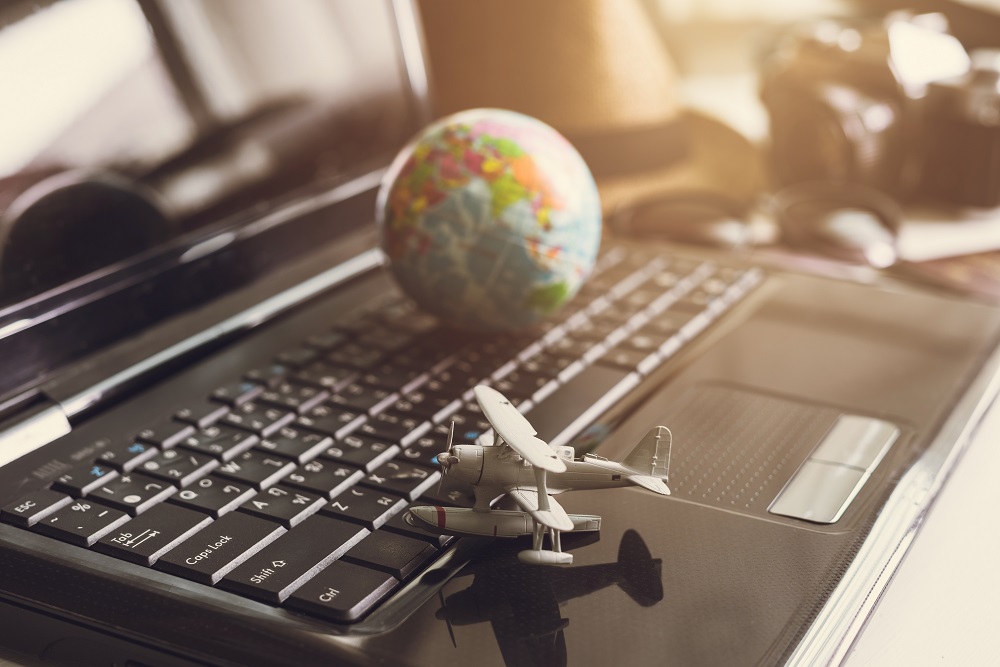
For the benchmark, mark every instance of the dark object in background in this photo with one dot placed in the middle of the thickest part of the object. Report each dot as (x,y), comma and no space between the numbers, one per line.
(70,224)
(856,101)
(963,146)
(703,217)
(848,221)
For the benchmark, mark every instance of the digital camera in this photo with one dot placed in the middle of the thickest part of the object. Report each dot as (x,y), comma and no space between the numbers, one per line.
(896,104)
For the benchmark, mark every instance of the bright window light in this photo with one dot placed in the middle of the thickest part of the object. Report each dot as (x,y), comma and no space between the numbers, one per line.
(59,62)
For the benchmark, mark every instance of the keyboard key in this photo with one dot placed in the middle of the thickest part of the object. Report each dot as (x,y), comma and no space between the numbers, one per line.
(424,450)
(33,507)
(132,492)
(624,357)
(256,468)
(648,338)
(144,539)
(325,376)
(392,553)
(166,433)
(594,331)
(298,357)
(291,560)
(258,418)
(597,386)
(570,347)
(386,339)
(394,376)
(469,421)
(178,467)
(214,495)
(221,442)
(126,454)
(331,420)
(366,453)
(362,397)
(546,365)
(212,552)
(201,414)
(393,427)
(398,524)
(403,478)
(295,444)
(285,504)
(356,356)
(670,322)
(293,397)
(83,479)
(328,341)
(268,375)
(81,522)
(428,402)
(237,393)
(327,478)
(465,432)
(520,386)
(458,378)
(342,592)
(369,507)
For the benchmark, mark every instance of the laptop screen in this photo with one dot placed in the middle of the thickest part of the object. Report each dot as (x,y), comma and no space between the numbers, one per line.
(142,129)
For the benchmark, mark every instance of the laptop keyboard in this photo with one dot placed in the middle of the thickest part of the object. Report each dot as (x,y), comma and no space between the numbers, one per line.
(289,485)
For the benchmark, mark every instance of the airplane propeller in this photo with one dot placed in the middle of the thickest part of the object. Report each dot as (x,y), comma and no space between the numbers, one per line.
(446,459)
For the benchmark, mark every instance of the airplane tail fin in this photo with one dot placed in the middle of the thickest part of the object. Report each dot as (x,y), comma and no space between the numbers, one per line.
(652,483)
(651,457)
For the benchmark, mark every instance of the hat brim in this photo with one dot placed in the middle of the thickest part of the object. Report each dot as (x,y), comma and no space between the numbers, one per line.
(717,159)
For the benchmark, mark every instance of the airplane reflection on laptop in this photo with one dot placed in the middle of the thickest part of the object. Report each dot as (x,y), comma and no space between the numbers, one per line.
(521,601)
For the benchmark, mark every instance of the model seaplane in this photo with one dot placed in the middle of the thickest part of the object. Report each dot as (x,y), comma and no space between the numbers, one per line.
(531,472)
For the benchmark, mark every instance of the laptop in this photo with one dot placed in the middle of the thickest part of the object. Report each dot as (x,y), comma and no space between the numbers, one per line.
(210,440)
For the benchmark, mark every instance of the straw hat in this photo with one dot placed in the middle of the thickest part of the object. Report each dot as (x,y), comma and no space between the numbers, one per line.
(598,72)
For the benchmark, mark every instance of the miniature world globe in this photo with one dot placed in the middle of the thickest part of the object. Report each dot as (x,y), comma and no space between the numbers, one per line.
(490,220)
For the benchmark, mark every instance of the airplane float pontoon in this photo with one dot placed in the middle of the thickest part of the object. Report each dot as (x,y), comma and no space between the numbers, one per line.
(531,472)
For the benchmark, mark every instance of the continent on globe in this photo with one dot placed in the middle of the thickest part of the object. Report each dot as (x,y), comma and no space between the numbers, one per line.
(490,220)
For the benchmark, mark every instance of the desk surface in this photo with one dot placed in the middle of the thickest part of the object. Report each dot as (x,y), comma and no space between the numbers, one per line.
(941,607)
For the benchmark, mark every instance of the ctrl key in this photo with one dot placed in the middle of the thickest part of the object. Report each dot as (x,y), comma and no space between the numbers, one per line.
(342,592)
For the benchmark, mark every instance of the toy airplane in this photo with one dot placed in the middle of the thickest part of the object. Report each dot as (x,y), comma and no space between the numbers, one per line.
(530,472)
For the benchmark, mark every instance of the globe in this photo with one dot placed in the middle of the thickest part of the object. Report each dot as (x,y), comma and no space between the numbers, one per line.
(490,220)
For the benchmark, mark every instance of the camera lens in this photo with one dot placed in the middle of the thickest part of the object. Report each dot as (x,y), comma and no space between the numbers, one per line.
(832,131)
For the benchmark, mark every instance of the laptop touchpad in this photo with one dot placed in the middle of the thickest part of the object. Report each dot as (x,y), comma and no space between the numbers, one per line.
(755,453)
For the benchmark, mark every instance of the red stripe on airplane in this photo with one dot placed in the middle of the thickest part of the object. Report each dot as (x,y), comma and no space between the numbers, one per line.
(441,516)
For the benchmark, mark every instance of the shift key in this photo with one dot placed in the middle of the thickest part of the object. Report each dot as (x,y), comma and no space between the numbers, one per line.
(282,566)
(213,551)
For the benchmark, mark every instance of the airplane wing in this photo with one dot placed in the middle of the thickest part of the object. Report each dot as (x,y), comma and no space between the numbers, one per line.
(516,430)
(527,500)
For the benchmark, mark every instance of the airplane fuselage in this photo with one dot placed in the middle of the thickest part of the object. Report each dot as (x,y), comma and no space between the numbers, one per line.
(498,467)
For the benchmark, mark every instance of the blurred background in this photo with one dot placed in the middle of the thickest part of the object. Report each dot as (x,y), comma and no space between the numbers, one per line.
(866,136)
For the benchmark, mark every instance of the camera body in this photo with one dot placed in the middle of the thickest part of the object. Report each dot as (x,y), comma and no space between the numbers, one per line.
(897,105)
